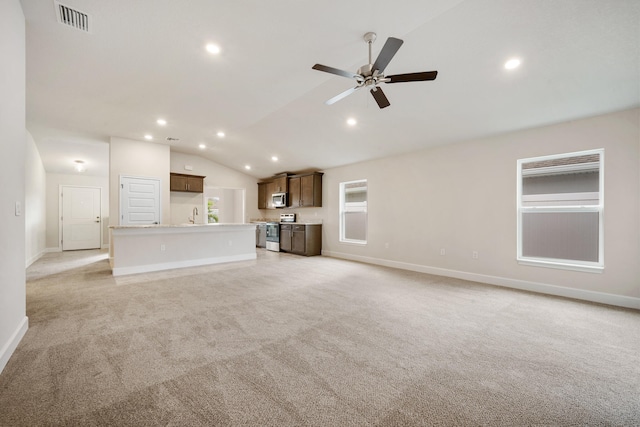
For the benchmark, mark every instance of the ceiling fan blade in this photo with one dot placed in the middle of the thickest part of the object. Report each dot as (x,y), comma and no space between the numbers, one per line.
(342,95)
(387,53)
(336,71)
(380,97)
(412,77)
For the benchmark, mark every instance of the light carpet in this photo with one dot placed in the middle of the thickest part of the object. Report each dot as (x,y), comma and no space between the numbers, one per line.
(294,341)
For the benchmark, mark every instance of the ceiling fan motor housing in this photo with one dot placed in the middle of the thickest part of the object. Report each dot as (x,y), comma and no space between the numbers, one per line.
(366,70)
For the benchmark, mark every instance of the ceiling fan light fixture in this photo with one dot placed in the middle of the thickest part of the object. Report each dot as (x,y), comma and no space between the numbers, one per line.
(79,165)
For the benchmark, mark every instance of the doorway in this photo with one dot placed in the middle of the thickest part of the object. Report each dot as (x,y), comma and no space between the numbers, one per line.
(225,205)
(81,218)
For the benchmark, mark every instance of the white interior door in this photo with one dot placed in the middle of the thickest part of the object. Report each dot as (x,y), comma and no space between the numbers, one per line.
(81,218)
(139,200)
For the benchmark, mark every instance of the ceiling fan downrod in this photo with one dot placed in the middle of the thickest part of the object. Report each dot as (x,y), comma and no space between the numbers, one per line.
(366,71)
(370,37)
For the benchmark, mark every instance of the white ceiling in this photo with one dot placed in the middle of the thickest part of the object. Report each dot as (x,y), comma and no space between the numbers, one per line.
(145,59)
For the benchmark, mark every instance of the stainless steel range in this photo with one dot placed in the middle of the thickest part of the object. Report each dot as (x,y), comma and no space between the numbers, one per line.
(273,231)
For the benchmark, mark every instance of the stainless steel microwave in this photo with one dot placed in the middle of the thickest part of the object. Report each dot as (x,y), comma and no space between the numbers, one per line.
(279,200)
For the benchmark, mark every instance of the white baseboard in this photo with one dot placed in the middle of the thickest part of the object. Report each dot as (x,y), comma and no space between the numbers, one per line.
(34,259)
(10,346)
(543,288)
(58,249)
(120,271)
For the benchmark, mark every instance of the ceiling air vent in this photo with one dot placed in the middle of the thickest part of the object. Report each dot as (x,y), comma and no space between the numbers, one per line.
(72,18)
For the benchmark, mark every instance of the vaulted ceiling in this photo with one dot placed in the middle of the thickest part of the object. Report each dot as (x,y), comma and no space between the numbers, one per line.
(146,59)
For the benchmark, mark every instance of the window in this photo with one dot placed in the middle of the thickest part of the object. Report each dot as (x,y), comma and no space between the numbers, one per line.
(213,213)
(353,211)
(560,211)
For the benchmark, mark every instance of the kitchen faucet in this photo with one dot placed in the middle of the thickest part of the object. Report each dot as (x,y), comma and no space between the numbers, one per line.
(193,217)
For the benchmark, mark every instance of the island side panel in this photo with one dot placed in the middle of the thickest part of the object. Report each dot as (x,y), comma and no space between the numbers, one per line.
(145,249)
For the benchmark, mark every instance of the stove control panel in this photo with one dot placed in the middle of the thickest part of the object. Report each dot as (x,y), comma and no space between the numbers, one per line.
(288,217)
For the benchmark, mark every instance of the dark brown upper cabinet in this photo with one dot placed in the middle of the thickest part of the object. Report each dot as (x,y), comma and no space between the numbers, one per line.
(305,190)
(187,183)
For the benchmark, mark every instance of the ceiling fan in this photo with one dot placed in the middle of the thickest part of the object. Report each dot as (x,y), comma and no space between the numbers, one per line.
(372,74)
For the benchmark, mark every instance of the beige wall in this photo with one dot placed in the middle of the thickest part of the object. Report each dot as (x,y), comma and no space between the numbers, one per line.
(34,203)
(462,197)
(54,182)
(217,176)
(138,159)
(182,205)
(13,319)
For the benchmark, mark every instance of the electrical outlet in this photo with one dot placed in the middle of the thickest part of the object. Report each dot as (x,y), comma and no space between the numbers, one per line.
(386,245)
(475,255)
(230,243)
(162,248)
(442,251)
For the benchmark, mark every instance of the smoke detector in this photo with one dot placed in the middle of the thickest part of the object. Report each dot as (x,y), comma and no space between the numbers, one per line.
(73,18)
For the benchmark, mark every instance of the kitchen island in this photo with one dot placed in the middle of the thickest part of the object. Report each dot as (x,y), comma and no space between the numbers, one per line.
(144,248)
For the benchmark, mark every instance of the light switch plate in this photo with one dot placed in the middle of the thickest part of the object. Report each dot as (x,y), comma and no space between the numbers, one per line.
(18,209)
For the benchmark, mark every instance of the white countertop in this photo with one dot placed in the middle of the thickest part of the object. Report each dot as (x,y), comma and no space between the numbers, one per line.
(179,225)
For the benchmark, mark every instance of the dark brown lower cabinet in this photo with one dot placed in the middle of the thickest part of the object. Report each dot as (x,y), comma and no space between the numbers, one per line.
(301,239)
(286,231)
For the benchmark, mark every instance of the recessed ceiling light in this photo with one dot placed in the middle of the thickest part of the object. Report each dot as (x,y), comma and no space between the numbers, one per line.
(274,158)
(512,64)
(202,146)
(247,167)
(220,134)
(213,48)
(351,121)
(148,137)
(161,122)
